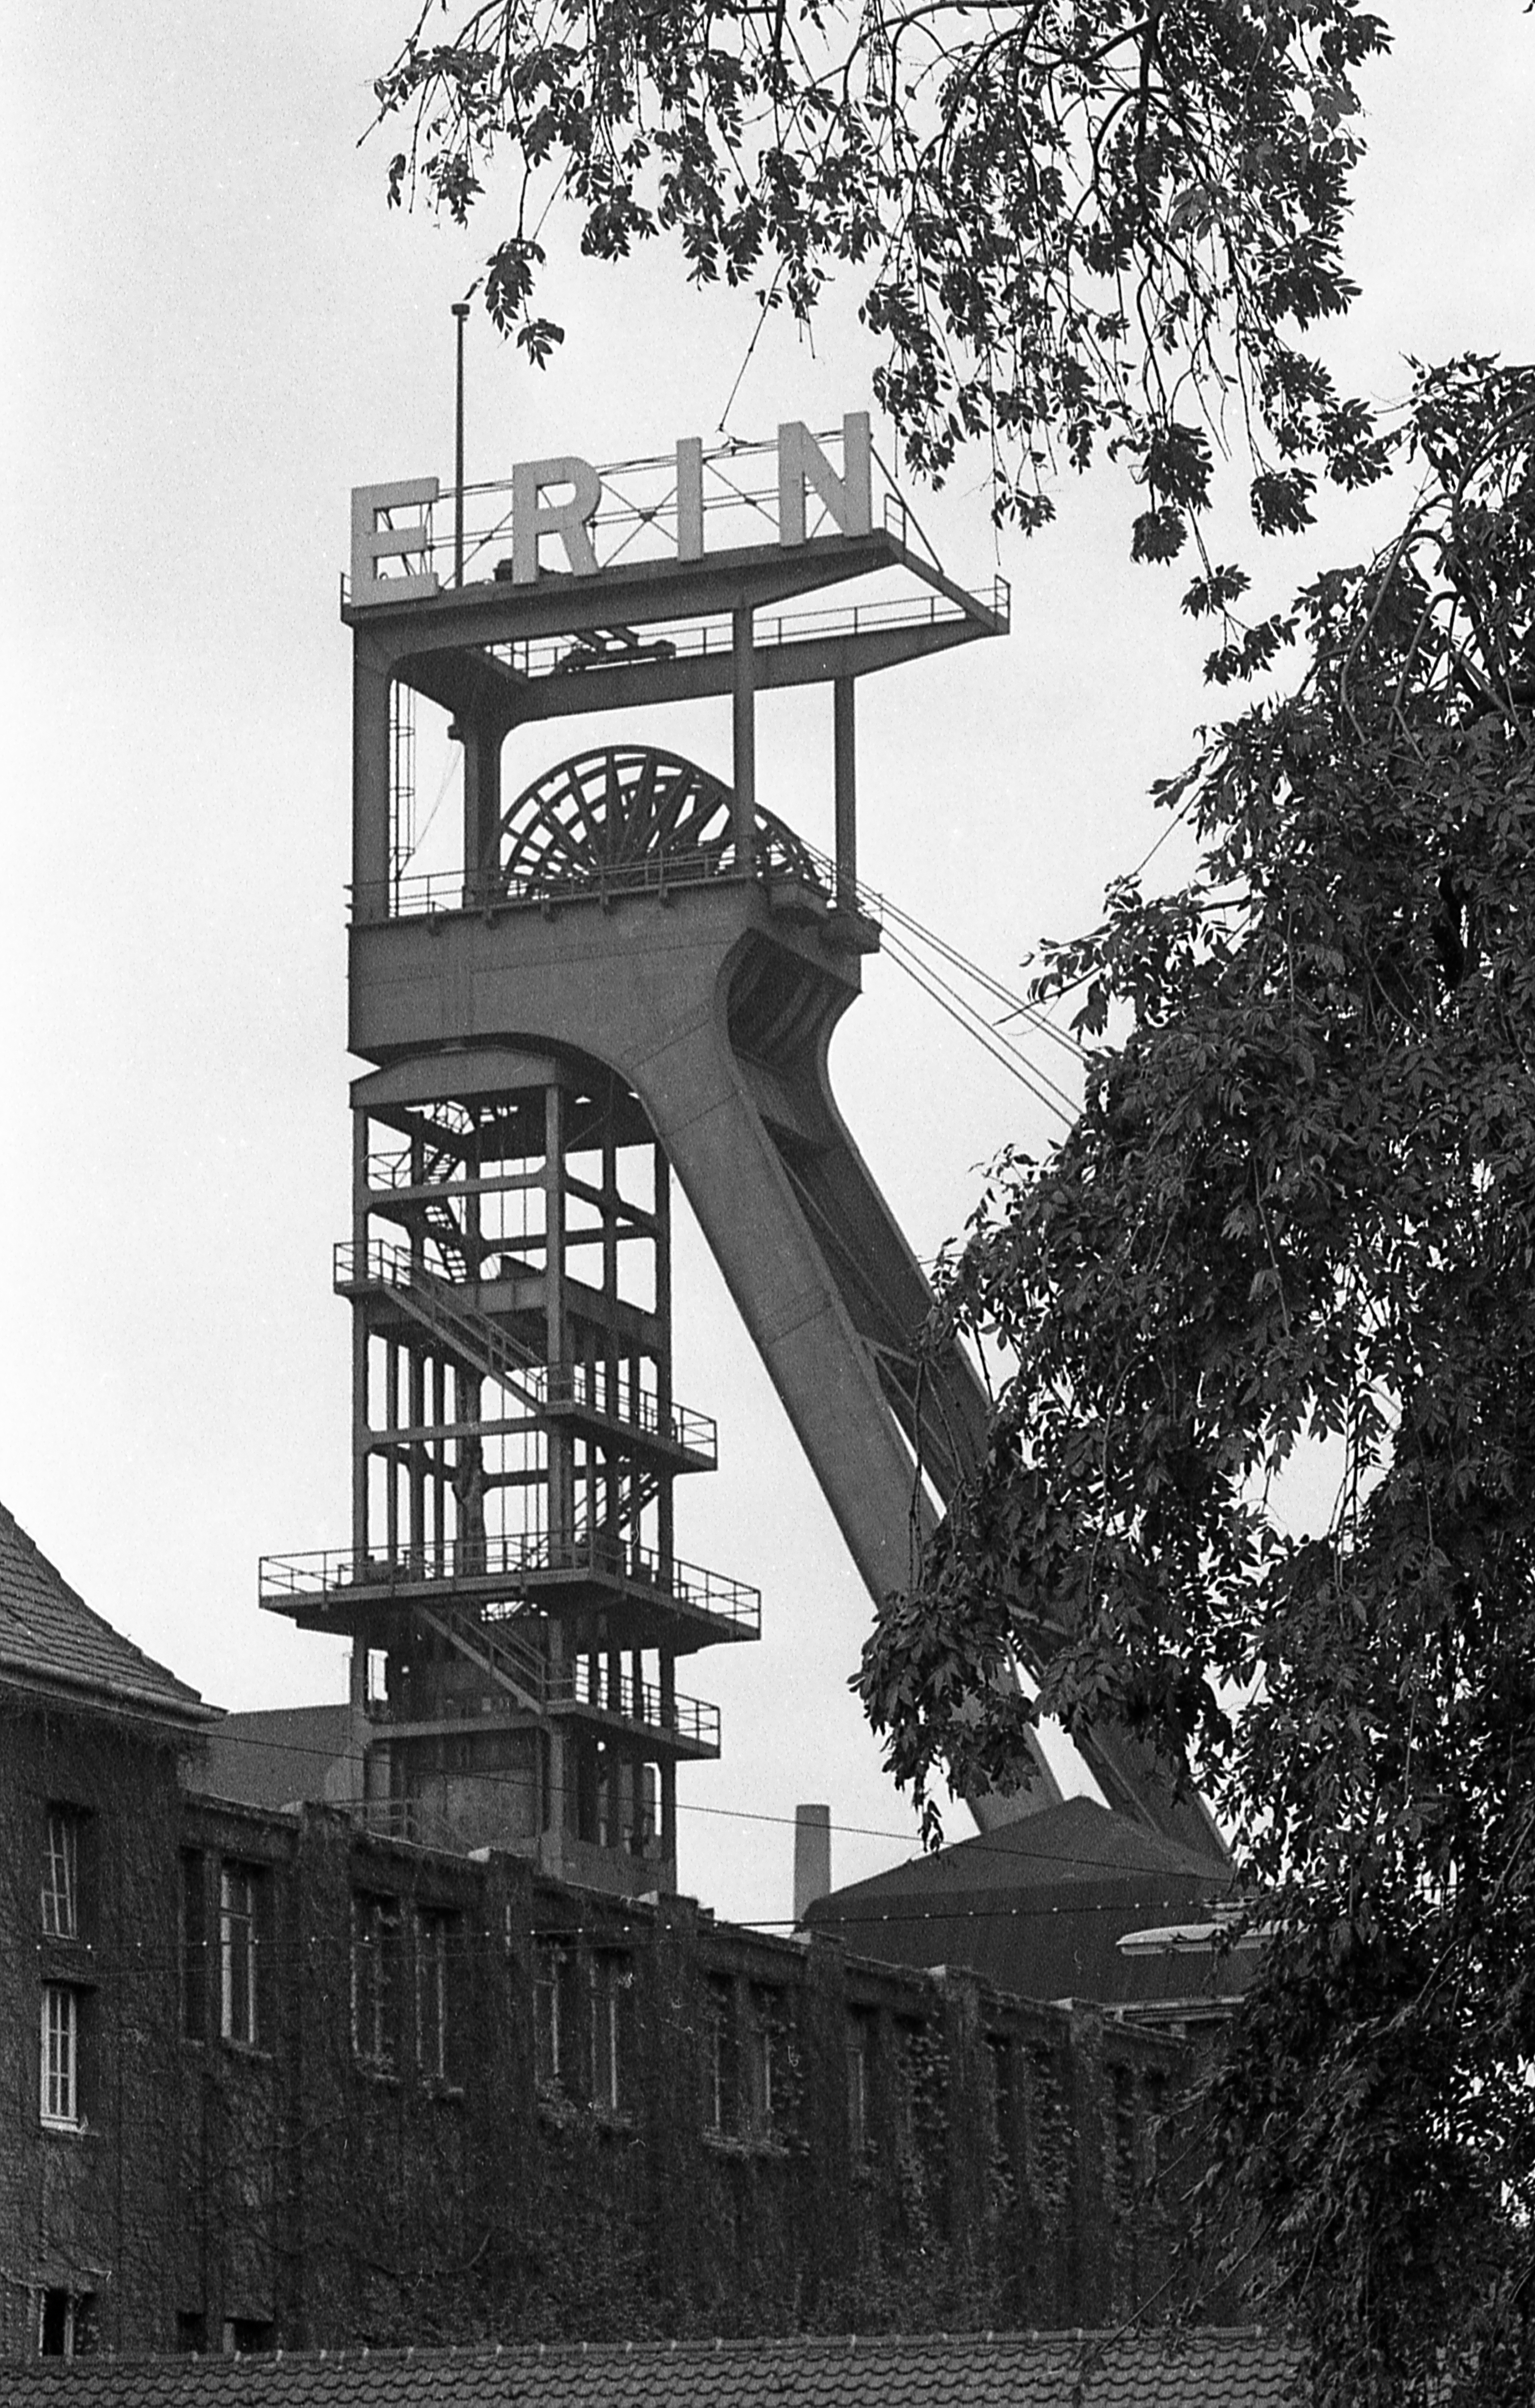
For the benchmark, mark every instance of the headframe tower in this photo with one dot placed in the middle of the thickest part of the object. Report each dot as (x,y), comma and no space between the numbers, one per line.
(631,973)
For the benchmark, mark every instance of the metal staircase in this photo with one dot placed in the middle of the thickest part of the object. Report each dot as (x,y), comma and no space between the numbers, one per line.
(473,1337)
(515,1663)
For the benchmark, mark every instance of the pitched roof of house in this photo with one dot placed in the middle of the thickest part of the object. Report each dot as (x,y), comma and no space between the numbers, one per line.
(1035,1907)
(1077,1841)
(51,1639)
(1202,2369)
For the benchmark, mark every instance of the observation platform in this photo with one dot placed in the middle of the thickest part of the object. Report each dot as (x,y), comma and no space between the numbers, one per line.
(646,613)
(609,1593)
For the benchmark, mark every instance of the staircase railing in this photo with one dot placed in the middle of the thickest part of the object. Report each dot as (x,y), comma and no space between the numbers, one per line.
(544,1388)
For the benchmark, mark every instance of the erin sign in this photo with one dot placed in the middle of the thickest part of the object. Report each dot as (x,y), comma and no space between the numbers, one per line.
(559,502)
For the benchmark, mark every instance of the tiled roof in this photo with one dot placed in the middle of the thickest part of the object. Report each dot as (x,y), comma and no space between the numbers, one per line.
(1203,2370)
(50,1639)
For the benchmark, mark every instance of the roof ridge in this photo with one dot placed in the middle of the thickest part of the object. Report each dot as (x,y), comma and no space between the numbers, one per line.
(38,1581)
(1016,2339)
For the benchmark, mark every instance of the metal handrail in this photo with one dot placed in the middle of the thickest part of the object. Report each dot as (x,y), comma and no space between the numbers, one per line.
(643,1702)
(586,1683)
(425,894)
(710,637)
(547,1387)
(331,1571)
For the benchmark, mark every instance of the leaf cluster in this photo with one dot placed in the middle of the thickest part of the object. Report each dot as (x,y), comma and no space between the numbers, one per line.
(1292,1234)
(1079,224)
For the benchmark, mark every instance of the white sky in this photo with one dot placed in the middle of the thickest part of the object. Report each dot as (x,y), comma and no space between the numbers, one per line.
(214,329)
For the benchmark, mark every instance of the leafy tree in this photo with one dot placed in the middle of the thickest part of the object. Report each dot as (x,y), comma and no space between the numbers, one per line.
(1299,1207)
(1077,223)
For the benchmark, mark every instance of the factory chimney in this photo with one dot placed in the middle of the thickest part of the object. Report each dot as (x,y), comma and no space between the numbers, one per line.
(812,1856)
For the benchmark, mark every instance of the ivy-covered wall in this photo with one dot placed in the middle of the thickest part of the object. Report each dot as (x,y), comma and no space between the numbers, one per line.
(369,2093)
(87,2206)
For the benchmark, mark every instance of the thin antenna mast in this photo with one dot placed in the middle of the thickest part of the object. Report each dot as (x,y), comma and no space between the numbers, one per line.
(461,312)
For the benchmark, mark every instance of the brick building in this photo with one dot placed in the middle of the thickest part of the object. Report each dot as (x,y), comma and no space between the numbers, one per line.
(92,1738)
(270,2080)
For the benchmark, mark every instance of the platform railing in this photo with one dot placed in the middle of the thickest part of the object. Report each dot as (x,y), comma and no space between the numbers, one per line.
(693,1720)
(580,1387)
(585,1682)
(426,894)
(341,1574)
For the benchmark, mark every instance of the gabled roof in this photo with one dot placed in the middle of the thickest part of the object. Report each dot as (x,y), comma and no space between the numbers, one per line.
(50,1639)
(1035,1907)
(1077,1841)
(1204,2370)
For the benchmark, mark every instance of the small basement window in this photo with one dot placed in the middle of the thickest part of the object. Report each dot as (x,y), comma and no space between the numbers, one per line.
(65,2324)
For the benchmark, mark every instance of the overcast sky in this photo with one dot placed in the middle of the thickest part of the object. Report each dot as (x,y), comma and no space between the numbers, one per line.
(214,328)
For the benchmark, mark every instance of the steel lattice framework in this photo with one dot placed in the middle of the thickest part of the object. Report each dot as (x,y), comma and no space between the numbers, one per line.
(631,978)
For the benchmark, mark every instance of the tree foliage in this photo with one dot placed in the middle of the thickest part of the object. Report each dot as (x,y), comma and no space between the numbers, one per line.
(1076,223)
(1292,1233)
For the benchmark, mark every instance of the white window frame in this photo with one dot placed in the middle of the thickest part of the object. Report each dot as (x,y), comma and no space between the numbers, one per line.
(61,1875)
(77,2308)
(239,1953)
(719,2058)
(59,2101)
(768,2038)
(550,2050)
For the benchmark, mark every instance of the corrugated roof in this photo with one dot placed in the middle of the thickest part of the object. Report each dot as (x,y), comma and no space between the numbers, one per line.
(1202,2370)
(50,1639)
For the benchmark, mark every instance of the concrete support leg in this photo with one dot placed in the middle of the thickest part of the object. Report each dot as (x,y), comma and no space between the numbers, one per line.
(370,796)
(844,758)
(744,736)
(482,808)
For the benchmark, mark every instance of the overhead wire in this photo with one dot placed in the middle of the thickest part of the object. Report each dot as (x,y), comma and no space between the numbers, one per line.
(613,1909)
(1009,1057)
(979,1842)
(905,951)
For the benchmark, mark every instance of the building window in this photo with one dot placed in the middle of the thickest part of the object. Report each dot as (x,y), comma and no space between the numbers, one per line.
(193,1947)
(767,2060)
(245,2336)
(375,1968)
(62,1875)
(552,2058)
(860,2051)
(61,2031)
(66,2322)
(191,2332)
(239,1945)
(720,2067)
(610,1979)
(436,1934)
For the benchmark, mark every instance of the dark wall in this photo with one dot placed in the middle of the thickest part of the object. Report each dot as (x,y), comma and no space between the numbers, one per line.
(91,2212)
(465,2102)
(993,2173)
